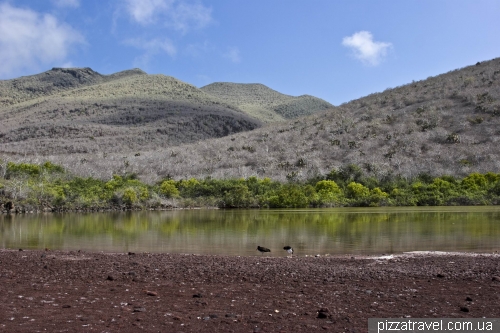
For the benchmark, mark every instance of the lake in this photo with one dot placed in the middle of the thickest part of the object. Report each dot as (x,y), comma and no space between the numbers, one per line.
(333,231)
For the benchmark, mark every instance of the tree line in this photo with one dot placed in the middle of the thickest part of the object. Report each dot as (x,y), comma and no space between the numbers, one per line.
(50,186)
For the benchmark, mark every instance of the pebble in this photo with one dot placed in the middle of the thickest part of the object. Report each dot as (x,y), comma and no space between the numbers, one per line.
(323,313)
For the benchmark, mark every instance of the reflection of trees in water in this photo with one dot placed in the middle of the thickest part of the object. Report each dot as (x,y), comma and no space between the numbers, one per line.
(234,231)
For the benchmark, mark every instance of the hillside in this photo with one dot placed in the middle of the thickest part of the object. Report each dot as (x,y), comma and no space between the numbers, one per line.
(444,125)
(77,110)
(264,103)
(51,82)
(64,111)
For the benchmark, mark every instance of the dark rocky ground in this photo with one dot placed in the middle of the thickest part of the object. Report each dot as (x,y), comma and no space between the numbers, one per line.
(55,291)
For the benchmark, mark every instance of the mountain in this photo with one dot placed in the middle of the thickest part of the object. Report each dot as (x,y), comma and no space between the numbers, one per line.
(77,110)
(264,103)
(444,125)
(53,81)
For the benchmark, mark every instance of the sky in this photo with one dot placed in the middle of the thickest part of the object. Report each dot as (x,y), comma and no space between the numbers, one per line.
(332,49)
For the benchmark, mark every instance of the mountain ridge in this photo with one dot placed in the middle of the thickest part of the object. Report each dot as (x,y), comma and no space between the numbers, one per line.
(52,82)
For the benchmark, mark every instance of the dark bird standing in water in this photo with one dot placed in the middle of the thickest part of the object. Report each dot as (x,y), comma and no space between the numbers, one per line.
(263,249)
(288,249)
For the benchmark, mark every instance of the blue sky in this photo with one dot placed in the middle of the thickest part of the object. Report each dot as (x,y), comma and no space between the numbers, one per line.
(333,49)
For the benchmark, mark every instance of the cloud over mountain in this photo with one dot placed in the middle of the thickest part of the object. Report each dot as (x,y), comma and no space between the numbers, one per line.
(365,48)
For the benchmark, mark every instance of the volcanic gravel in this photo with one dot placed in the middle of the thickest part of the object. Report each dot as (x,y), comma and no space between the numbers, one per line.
(57,291)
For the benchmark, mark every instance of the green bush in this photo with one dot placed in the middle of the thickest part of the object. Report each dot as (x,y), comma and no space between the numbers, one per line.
(52,168)
(357,191)
(238,197)
(474,182)
(378,197)
(89,191)
(129,196)
(48,183)
(14,169)
(328,192)
(168,189)
(288,196)
(189,188)
(402,197)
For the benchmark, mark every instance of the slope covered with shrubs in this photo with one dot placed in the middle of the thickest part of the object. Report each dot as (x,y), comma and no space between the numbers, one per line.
(67,111)
(444,125)
(32,187)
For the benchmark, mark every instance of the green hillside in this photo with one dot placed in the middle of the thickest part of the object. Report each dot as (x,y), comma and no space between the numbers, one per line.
(264,103)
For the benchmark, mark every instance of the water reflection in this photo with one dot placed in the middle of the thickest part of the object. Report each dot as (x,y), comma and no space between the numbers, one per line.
(238,232)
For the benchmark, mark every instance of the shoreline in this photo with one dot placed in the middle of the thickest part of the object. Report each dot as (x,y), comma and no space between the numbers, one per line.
(98,210)
(351,256)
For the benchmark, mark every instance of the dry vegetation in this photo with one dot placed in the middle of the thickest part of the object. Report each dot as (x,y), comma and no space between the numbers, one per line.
(129,111)
(446,124)
(67,111)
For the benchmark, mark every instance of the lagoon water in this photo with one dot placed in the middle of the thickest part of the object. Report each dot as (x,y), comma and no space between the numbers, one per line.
(334,231)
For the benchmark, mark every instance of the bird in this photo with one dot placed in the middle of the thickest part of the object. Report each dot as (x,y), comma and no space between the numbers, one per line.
(288,249)
(263,249)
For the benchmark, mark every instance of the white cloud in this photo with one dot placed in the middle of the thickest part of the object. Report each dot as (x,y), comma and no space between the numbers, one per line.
(151,48)
(365,49)
(66,3)
(233,54)
(29,40)
(177,14)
